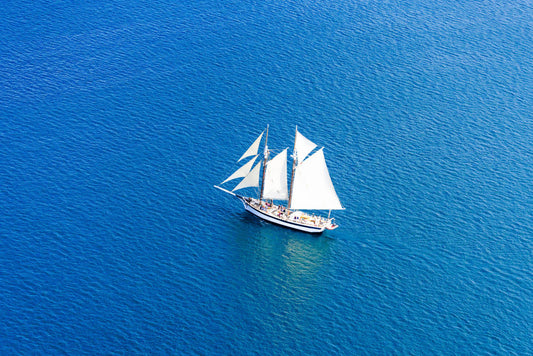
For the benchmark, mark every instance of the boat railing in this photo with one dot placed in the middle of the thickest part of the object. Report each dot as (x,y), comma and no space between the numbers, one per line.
(285,214)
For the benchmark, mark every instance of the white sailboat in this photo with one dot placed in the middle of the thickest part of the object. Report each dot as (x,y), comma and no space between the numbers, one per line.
(310,188)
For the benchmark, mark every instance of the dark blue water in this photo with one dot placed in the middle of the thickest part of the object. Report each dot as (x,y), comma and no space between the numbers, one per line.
(117,118)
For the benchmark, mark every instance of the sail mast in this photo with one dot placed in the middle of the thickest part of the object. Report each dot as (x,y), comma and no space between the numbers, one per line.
(293,166)
(264,164)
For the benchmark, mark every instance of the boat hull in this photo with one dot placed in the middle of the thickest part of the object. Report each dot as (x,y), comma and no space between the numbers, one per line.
(282,222)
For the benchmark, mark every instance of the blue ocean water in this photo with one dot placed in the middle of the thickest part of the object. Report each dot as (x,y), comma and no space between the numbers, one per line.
(118,117)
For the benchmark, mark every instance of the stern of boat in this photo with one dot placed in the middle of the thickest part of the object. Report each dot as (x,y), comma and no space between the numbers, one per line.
(331,225)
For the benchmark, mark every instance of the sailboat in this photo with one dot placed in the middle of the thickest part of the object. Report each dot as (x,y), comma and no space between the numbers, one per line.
(311,187)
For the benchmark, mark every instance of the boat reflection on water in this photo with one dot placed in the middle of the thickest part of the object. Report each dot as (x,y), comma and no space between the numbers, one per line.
(279,276)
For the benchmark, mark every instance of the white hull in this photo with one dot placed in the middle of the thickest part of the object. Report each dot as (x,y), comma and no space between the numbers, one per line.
(294,221)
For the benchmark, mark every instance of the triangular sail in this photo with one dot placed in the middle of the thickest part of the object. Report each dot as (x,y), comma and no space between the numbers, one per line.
(252,150)
(313,189)
(241,172)
(251,179)
(276,178)
(302,147)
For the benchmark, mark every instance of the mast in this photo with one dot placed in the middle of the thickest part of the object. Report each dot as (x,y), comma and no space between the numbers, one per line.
(293,166)
(264,164)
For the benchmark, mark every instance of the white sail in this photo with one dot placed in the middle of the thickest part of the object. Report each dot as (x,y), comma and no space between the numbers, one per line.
(241,172)
(252,150)
(251,179)
(312,187)
(276,178)
(302,147)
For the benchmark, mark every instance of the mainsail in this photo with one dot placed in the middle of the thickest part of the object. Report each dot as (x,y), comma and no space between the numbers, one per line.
(276,178)
(312,186)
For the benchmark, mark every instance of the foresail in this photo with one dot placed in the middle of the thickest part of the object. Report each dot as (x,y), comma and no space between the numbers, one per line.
(252,150)
(241,172)
(251,179)
(312,188)
(276,178)
(302,147)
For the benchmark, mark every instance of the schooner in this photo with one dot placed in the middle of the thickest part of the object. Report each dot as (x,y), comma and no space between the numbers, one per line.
(310,186)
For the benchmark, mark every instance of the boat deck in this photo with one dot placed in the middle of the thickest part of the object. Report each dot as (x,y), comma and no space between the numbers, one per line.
(294,217)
